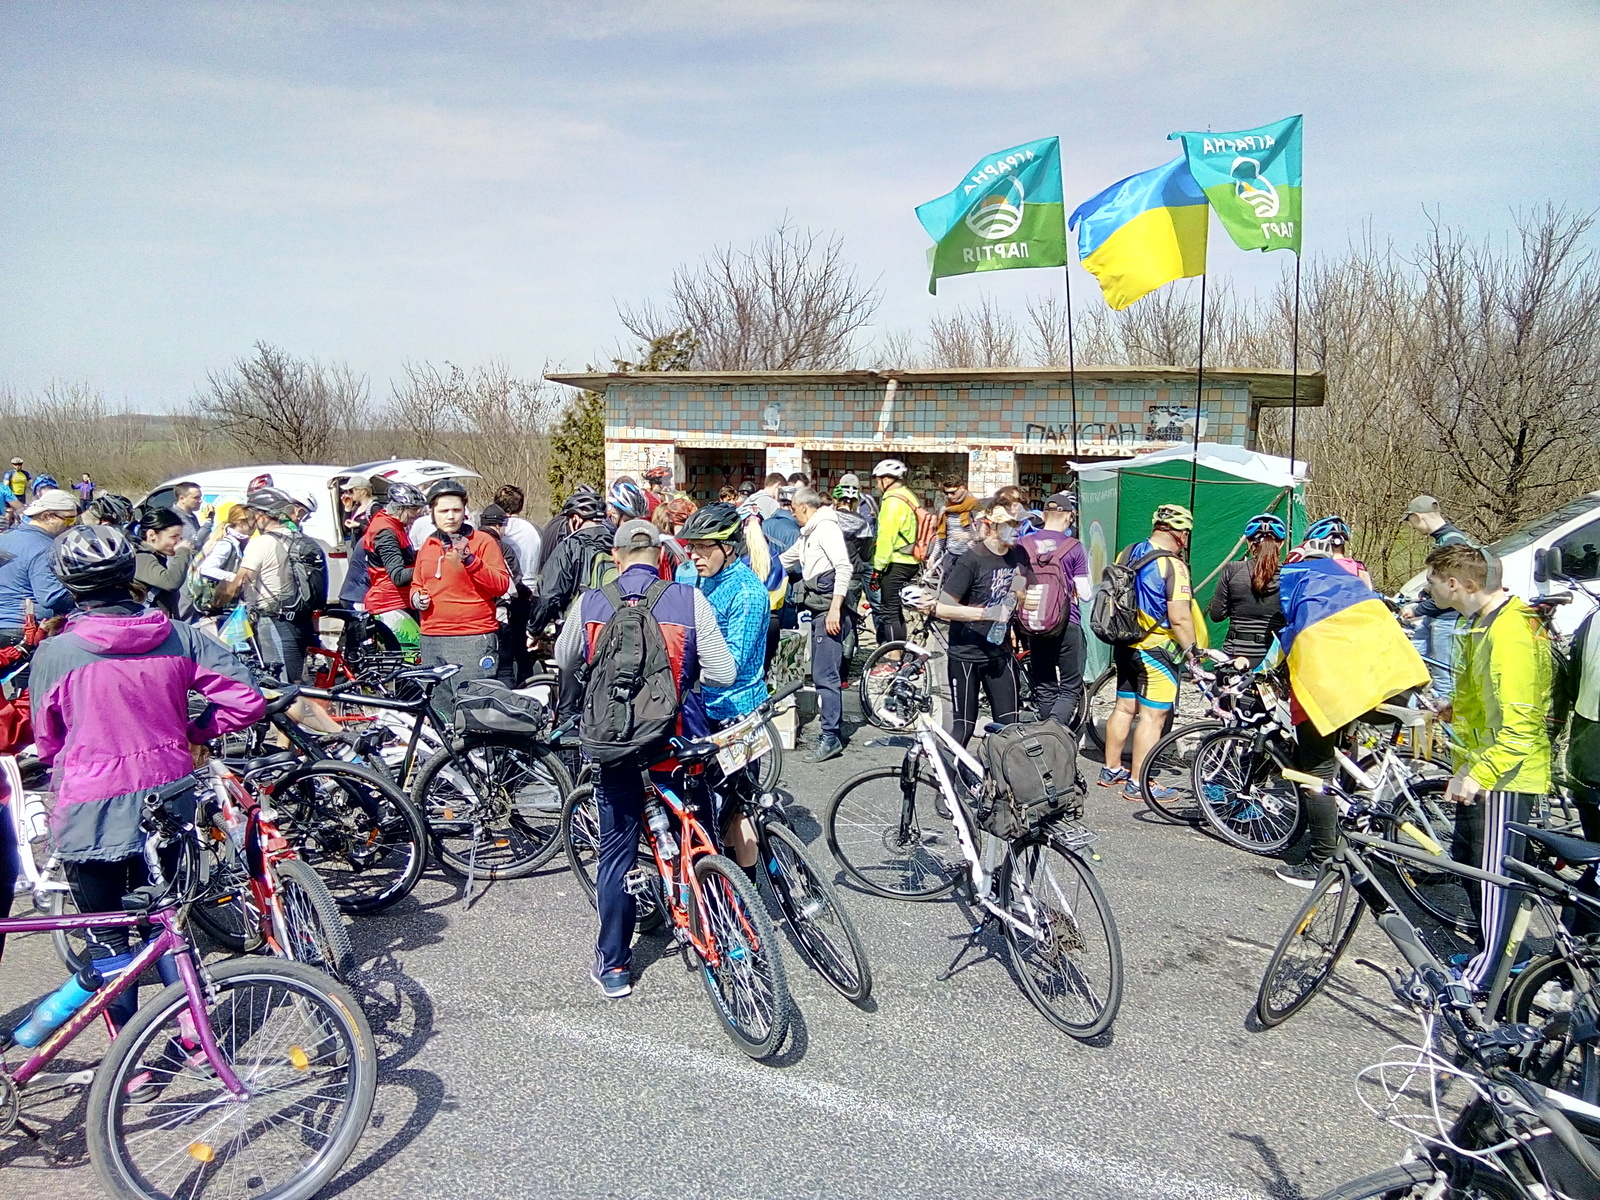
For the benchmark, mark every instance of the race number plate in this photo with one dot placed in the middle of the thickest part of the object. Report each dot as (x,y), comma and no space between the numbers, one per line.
(744,749)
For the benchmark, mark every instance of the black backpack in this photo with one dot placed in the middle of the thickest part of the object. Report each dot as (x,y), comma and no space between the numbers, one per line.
(630,696)
(1030,778)
(309,567)
(1115,615)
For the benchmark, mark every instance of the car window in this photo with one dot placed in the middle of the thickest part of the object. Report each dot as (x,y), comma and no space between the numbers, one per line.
(1534,530)
(1580,552)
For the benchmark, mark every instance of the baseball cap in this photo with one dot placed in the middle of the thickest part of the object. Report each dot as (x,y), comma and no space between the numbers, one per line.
(1061,502)
(52,500)
(16,462)
(356,481)
(997,514)
(635,535)
(1422,504)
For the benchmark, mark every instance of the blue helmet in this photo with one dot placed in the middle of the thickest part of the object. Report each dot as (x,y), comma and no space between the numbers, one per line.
(628,499)
(1328,535)
(1265,525)
(41,482)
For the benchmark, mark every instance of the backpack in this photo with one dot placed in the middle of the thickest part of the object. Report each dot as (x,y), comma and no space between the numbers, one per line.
(927,530)
(630,695)
(489,706)
(1030,778)
(599,569)
(203,590)
(308,573)
(1115,616)
(1045,569)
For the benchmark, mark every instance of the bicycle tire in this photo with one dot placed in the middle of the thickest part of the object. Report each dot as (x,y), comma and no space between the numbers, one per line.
(1061,884)
(223,910)
(1391,1183)
(1286,986)
(1422,822)
(747,987)
(523,833)
(771,769)
(1170,766)
(876,671)
(311,916)
(865,838)
(580,834)
(1243,798)
(1099,698)
(71,945)
(369,842)
(1542,995)
(235,1005)
(810,905)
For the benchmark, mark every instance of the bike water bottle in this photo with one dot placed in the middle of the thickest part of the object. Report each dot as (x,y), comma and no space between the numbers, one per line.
(661,826)
(57,1007)
(997,628)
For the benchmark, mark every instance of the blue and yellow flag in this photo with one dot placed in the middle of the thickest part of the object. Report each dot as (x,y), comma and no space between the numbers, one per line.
(1347,653)
(1145,231)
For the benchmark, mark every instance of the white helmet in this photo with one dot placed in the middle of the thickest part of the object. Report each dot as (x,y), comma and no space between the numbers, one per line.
(890,466)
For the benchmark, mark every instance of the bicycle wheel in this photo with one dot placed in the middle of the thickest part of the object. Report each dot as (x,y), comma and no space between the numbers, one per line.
(1099,698)
(1069,956)
(771,769)
(1310,947)
(225,909)
(745,982)
(356,829)
(1423,821)
(312,921)
(161,1124)
(1166,777)
(879,671)
(1242,797)
(811,907)
(893,837)
(580,834)
(503,793)
(1392,1183)
(1547,994)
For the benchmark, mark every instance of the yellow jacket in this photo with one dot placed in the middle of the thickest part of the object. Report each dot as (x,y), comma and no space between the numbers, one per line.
(897,528)
(1502,700)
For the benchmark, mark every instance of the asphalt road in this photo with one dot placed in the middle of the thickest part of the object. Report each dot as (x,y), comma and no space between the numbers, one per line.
(507,1075)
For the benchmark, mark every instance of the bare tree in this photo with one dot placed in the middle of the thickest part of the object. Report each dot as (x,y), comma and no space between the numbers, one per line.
(789,302)
(70,428)
(276,406)
(982,335)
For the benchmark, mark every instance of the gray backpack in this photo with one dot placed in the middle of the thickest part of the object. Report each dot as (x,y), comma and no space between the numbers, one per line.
(1030,778)
(1115,615)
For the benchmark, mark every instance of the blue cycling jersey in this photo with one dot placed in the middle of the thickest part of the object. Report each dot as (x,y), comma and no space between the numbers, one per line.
(743,612)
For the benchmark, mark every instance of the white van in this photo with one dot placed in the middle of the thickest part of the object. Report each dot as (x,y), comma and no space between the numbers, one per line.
(319,483)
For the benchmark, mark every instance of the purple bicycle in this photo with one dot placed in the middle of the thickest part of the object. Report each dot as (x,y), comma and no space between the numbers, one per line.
(246,1078)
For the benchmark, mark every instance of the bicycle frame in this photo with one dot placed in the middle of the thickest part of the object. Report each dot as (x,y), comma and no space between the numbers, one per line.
(678,880)
(254,835)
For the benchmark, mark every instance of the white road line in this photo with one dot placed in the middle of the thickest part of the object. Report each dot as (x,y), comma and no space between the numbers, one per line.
(1129,1175)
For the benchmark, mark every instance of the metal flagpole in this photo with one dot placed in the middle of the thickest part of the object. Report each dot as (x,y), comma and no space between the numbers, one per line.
(1072,358)
(1294,388)
(1199,383)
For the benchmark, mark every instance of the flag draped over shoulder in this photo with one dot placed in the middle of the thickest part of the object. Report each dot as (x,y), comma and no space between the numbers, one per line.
(1346,651)
(1142,232)
(1252,179)
(1006,213)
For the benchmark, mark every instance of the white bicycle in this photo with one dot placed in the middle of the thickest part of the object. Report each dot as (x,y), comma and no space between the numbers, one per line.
(910,832)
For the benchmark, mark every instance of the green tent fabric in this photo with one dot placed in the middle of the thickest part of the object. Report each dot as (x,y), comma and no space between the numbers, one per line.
(1231,486)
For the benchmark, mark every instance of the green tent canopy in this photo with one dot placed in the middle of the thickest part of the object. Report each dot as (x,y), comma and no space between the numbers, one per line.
(1232,485)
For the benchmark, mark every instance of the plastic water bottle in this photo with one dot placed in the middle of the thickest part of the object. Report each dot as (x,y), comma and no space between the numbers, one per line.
(661,826)
(57,1007)
(997,628)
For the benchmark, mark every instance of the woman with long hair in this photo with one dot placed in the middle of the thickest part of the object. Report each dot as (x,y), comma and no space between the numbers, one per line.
(1247,592)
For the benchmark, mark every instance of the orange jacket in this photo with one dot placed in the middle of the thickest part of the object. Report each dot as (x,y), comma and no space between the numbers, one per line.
(461,595)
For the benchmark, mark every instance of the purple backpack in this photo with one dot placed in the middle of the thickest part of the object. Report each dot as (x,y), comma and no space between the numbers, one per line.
(1046,568)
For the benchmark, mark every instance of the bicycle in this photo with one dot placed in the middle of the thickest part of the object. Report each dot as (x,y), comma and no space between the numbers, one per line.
(1232,698)
(807,899)
(1059,931)
(243,1079)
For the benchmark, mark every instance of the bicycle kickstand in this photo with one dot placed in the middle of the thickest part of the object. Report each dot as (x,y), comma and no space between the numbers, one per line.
(970,941)
(472,868)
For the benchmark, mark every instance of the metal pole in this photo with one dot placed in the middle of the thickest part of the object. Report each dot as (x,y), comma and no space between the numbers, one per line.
(1199,383)
(1072,359)
(1294,388)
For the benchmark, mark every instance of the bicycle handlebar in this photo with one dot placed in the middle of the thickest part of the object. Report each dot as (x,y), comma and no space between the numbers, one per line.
(1560,1127)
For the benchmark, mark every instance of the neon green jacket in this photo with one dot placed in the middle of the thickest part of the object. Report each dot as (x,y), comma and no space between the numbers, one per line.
(897,528)
(1502,700)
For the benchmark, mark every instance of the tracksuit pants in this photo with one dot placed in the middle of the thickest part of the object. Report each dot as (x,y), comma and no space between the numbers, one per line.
(1482,838)
(1055,673)
(827,668)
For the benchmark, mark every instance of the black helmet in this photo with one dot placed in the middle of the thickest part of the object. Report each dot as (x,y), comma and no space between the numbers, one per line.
(447,487)
(586,506)
(87,558)
(273,501)
(717,522)
(405,495)
(112,509)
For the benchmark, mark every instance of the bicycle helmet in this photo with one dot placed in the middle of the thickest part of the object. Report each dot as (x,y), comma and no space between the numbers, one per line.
(447,487)
(41,482)
(1328,535)
(270,500)
(87,558)
(406,495)
(628,499)
(842,492)
(1265,525)
(112,509)
(890,466)
(586,506)
(719,522)
(306,501)
(655,474)
(1174,517)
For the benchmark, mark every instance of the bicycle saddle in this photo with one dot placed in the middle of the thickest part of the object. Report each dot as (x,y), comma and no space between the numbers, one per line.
(434,674)
(1569,849)
(690,752)
(267,762)
(339,613)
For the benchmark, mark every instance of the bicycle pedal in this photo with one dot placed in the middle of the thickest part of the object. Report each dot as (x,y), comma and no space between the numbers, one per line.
(636,882)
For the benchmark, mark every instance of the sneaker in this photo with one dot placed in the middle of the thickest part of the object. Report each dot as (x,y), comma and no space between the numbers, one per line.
(1157,793)
(1303,875)
(613,984)
(1110,778)
(827,747)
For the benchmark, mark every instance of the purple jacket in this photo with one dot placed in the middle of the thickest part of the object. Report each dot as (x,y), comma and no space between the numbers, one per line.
(110,700)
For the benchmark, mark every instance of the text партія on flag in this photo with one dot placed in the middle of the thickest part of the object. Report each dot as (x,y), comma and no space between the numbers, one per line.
(1252,179)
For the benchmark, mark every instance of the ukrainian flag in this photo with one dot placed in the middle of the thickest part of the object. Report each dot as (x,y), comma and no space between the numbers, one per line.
(1347,653)
(1143,232)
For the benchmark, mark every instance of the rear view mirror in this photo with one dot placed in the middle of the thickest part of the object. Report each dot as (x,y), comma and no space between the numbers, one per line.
(1541,565)
(1553,564)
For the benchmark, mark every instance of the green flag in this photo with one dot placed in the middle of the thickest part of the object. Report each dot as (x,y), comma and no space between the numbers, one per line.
(1006,213)
(1252,179)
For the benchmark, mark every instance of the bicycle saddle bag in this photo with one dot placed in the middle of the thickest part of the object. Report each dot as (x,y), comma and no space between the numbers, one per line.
(489,706)
(1030,777)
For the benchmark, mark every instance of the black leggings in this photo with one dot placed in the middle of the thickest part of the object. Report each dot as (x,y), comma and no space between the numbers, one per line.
(891,580)
(998,682)
(99,886)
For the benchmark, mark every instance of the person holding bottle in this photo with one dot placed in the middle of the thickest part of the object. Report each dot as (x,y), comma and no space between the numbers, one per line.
(979,594)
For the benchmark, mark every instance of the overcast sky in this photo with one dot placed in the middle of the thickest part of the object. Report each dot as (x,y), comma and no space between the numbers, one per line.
(390,181)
